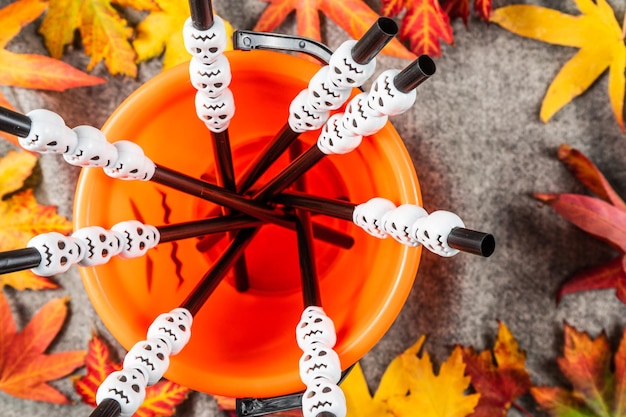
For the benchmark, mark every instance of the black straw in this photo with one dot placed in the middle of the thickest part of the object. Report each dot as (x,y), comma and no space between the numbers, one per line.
(14,123)
(377,36)
(308,270)
(201,14)
(107,408)
(19,260)
(209,282)
(472,241)
(414,74)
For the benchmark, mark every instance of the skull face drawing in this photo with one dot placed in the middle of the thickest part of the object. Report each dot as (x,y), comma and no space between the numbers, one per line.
(152,356)
(131,163)
(127,387)
(399,222)
(323,398)
(215,112)
(385,98)
(205,45)
(58,252)
(92,149)
(323,94)
(369,216)
(344,71)
(335,139)
(433,230)
(211,79)
(174,328)
(360,119)
(48,133)
(137,238)
(303,117)
(319,361)
(100,244)
(315,327)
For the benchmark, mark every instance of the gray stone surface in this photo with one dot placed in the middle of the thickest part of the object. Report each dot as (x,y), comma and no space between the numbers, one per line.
(479,150)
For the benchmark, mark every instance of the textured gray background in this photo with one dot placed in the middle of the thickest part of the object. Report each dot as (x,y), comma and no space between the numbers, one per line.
(479,149)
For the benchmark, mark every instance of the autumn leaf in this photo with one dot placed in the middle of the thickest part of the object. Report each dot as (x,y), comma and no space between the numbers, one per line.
(424,24)
(410,384)
(597,34)
(163,30)
(161,398)
(499,376)
(104,33)
(353,16)
(603,217)
(31,70)
(21,217)
(24,367)
(595,389)
(456,8)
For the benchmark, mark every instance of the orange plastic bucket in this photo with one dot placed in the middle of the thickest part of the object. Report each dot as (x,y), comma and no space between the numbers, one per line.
(243,344)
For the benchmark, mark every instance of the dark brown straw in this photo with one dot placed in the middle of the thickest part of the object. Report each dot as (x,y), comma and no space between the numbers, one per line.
(201,14)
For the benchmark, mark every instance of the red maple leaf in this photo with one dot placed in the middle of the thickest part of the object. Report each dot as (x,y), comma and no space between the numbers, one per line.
(353,16)
(604,217)
(499,376)
(25,368)
(424,24)
(161,398)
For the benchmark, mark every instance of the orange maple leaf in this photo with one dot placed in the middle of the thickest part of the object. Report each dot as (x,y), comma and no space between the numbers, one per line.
(353,16)
(161,398)
(105,34)
(499,377)
(424,24)
(31,70)
(21,217)
(24,367)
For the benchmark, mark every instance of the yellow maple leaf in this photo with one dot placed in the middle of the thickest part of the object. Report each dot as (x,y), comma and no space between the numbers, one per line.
(21,217)
(163,30)
(597,34)
(104,33)
(410,384)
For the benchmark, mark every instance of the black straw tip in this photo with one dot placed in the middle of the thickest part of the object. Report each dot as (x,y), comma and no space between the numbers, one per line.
(415,73)
(472,241)
(375,39)
(107,408)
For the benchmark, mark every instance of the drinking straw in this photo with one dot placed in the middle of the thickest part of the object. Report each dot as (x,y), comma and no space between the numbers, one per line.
(201,14)
(405,81)
(363,52)
(22,124)
(209,282)
(460,238)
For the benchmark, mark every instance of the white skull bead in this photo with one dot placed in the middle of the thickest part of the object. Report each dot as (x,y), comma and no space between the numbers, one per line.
(173,327)
(58,252)
(215,112)
(131,163)
(322,94)
(205,45)
(323,398)
(211,79)
(385,98)
(344,71)
(336,139)
(319,361)
(315,327)
(369,216)
(100,244)
(127,387)
(360,119)
(151,356)
(92,149)
(399,222)
(433,230)
(303,117)
(137,238)
(48,133)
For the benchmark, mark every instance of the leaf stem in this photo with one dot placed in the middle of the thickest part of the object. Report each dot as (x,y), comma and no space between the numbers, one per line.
(521,409)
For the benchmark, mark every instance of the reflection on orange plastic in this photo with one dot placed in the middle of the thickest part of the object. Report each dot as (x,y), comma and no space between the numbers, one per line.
(243,344)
